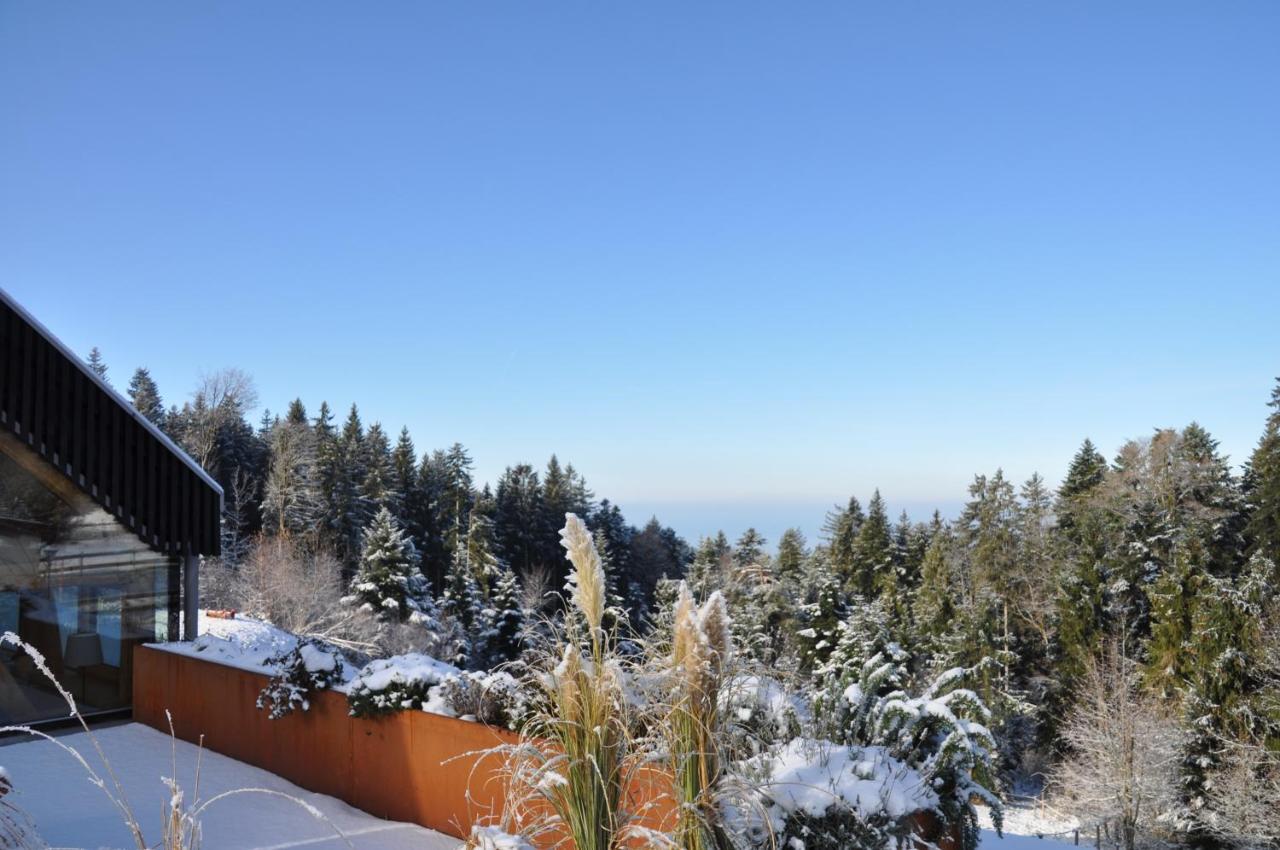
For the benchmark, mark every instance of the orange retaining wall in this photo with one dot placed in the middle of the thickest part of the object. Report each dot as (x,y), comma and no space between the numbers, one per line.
(409,766)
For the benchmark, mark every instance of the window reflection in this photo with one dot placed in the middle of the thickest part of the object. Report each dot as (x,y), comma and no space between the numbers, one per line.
(76,585)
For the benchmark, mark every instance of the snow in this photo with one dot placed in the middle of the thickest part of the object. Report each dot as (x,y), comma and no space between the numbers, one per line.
(71,812)
(244,643)
(991,841)
(811,776)
(492,838)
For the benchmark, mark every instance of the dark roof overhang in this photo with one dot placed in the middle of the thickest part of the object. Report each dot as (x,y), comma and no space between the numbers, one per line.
(60,409)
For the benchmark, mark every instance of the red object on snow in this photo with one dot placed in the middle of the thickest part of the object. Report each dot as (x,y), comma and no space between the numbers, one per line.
(221,613)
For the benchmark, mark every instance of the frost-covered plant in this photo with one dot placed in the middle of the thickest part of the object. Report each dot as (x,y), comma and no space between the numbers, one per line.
(180,825)
(578,753)
(701,651)
(496,698)
(941,734)
(399,683)
(817,794)
(309,667)
(17,832)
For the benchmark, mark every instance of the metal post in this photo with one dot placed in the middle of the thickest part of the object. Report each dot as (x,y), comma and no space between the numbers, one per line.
(1077,838)
(190,597)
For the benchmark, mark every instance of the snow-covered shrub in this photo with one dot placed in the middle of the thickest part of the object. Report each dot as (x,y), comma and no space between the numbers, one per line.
(401,682)
(309,667)
(818,795)
(940,734)
(495,699)
(762,708)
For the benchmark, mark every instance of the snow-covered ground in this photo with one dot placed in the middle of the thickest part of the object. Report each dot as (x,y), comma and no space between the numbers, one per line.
(71,812)
(1025,820)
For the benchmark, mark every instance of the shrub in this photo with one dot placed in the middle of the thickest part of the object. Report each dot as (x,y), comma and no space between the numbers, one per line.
(309,667)
(388,685)
(495,699)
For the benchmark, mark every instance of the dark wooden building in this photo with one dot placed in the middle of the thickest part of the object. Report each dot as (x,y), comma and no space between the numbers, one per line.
(102,524)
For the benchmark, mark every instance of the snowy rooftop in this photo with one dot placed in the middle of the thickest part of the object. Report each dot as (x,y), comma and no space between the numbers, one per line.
(70,812)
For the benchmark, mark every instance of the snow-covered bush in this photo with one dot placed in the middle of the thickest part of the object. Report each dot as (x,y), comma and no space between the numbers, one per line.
(401,682)
(495,699)
(940,734)
(818,795)
(309,667)
(762,709)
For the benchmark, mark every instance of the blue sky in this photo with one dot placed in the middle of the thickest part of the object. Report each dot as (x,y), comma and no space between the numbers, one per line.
(734,260)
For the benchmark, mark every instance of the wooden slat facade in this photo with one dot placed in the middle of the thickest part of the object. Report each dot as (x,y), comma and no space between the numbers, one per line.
(52,402)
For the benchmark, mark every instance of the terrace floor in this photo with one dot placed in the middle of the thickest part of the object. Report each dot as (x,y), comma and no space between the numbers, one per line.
(69,811)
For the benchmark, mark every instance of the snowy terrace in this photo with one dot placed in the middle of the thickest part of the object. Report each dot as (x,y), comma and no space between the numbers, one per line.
(69,811)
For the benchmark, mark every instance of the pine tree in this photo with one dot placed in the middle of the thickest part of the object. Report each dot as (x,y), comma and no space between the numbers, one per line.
(1262,486)
(145,396)
(97,365)
(462,603)
(709,569)
(457,496)
(820,625)
(388,566)
(349,507)
(377,488)
(749,550)
(404,482)
(506,640)
(517,520)
(1088,469)
(792,554)
(873,553)
(841,528)
(292,500)
(934,608)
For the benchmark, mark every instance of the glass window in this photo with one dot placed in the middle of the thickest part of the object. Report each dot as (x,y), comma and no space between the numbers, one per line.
(76,585)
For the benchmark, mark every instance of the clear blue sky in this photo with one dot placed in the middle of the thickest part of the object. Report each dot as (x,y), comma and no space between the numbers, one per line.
(734,260)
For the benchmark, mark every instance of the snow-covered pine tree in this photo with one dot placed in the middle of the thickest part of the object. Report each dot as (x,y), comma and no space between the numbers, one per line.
(507,630)
(463,603)
(820,624)
(385,582)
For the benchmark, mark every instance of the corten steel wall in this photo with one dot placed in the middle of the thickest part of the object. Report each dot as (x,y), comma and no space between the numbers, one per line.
(409,766)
